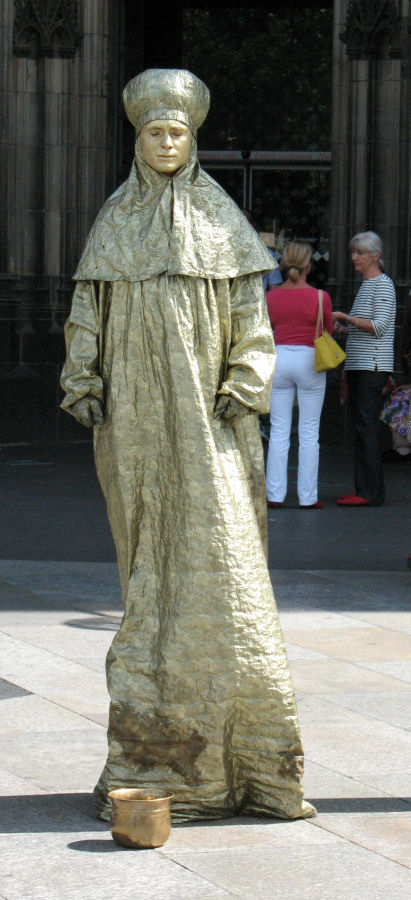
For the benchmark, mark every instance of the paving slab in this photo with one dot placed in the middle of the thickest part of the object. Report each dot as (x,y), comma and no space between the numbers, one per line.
(62,580)
(351,591)
(396,783)
(389,835)
(317,619)
(323,783)
(381,705)
(50,675)
(243,831)
(356,644)
(9,690)
(400,669)
(12,785)
(326,872)
(96,665)
(30,713)
(11,594)
(324,675)
(85,863)
(39,812)
(37,615)
(390,587)
(55,760)
(351,743)
(295,652)
(397,620)
(73,638)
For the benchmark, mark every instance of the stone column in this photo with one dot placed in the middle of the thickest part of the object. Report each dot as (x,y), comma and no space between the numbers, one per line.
(58,139)
(56,145)
(370,182)
(23,97)
(404,202)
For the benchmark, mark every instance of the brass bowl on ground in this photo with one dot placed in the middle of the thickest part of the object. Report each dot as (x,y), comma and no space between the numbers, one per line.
(140,818)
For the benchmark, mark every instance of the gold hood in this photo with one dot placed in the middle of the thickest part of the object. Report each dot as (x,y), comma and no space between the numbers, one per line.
(183,225)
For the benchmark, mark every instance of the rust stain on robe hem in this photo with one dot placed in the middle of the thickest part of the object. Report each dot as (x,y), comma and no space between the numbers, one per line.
(153,740)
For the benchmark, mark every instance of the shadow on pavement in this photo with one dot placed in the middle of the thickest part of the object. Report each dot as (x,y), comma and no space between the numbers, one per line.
(49,812)
(96,846)
(361,804)
(97,623)
(40,813)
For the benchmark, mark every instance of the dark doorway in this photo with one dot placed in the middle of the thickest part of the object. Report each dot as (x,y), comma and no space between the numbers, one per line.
(269,70)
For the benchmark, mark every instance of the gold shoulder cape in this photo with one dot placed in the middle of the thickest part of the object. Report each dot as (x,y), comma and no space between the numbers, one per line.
(185,225)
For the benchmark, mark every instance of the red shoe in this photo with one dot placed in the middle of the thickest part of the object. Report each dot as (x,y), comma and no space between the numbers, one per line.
(353,500)
(317,505)
(273,503)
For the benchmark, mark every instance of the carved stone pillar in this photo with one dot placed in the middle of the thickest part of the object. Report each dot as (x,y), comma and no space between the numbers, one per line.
(59,134)
(371,136)
(56,152)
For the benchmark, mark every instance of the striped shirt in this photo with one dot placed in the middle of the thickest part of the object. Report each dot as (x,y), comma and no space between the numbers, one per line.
(376,301)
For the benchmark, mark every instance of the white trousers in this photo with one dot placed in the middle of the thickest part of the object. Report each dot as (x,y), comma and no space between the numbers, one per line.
(295,371)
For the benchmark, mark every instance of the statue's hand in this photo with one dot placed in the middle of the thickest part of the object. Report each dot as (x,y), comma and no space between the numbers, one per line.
(229,408)
(88,411)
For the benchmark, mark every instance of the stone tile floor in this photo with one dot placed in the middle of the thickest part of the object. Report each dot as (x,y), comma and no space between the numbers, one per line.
(349,640)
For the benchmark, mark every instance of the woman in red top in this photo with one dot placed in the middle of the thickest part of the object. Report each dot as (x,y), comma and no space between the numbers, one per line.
(293,309)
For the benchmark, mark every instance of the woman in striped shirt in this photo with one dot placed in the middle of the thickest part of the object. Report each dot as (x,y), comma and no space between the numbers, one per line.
(370,359)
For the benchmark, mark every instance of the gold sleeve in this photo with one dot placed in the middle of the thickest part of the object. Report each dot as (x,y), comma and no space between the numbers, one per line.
(251,359)
(81,372)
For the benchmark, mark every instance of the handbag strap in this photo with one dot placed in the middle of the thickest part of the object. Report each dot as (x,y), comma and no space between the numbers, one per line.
(320,315)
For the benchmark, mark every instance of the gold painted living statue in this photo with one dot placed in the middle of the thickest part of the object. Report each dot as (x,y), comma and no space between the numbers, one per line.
(170,356)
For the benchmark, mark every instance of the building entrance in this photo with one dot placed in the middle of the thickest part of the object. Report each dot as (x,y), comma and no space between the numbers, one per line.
(287,191)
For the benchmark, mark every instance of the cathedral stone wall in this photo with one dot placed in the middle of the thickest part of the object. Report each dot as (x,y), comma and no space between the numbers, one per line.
(371,137)
(56,140)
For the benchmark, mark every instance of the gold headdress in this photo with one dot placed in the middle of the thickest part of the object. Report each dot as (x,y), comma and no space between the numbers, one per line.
(185,224)
(166,94)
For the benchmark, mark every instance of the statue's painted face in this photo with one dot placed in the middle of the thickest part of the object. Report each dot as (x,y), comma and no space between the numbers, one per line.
(165,145)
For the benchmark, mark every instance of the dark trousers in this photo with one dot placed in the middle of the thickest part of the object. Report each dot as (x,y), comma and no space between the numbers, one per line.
(365,398)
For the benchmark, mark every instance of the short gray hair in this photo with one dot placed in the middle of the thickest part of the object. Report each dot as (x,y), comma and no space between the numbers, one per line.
(370,242)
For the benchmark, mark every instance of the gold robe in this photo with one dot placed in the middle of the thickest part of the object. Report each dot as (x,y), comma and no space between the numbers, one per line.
(201,697)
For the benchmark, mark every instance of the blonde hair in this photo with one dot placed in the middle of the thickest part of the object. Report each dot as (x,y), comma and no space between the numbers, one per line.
(295,258)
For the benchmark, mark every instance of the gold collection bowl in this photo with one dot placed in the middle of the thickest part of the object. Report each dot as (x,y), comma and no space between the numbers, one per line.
(140,818)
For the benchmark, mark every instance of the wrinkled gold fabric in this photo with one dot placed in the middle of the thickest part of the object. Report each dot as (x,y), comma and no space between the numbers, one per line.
(185,225)
(201,697)
(166,94)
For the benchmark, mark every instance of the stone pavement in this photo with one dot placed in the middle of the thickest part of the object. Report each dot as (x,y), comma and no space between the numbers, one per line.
(346,613)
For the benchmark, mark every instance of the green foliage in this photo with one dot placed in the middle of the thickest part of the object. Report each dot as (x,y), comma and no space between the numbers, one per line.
(269,75)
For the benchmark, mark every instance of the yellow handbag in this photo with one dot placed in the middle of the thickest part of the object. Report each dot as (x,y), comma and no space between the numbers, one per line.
(328,354)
